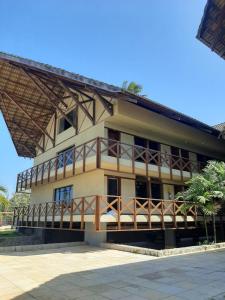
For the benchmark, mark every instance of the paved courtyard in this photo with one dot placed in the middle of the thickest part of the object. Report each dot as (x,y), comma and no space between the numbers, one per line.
(93,273)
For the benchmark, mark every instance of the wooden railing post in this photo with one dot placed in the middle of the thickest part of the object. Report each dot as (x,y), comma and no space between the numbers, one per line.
(162,214)
(135,214)
(97,213)
(71,214)
(61,215)
(46,213)
(39,214)
(36,175)
(53,214)
(98,153)
(119,212)
(31,177)
(149,213)
(82,213)
(49,169)
(133,159)
(26,179)
(174,215)
(64,164)
(74,158)
(42,172)
(56,167)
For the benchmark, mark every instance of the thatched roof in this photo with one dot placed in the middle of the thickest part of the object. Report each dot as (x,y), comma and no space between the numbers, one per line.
(220,126)
(30,94)
(212,28)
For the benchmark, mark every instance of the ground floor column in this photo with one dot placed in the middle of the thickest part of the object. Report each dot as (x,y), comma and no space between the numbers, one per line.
(170,238)
(93,237)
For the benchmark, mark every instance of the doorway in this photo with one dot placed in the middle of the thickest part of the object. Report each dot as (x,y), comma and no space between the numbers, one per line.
(114,189)
(114,137)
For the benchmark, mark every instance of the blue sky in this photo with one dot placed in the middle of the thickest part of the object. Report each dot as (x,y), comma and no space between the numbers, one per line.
(149,41)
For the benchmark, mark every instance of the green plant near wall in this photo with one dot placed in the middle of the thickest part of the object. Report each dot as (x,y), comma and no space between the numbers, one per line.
(207,191)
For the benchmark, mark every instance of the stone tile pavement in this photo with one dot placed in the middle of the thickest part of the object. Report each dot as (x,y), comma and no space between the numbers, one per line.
(85,272)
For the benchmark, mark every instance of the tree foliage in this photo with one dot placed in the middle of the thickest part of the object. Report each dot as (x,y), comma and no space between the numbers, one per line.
(19,199)
(132,87)
(207,191)
(4,202)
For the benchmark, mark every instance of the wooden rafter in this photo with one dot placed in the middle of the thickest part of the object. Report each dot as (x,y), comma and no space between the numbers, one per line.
(28,116)
(75,98)
(219,28)
(43,82)
(14,123)
(27,148)
(22,130)
(107,105)
(37,85)
(30,103)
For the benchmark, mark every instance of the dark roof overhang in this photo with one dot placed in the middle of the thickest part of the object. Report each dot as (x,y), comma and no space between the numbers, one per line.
(30,93)
(211,31)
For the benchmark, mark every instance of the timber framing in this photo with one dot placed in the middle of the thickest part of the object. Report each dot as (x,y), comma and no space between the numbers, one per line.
(34,92)
(211,31)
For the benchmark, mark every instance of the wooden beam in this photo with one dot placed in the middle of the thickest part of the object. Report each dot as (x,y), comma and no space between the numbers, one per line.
(24,146)
(14,123)
(37,85)
(32,104)
(76,100)
(107,105)
(219,28)
(52,92)
(28,116)
(27,134)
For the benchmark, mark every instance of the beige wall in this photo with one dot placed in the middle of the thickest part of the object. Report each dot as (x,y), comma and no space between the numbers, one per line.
(85,184)
(141,122)
(168,191)
(85,129)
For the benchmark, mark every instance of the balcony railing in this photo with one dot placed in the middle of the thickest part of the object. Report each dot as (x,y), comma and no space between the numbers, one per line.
(111,213)
(108,155)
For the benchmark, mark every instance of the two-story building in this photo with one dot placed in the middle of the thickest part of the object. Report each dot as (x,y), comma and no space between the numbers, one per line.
(105,160)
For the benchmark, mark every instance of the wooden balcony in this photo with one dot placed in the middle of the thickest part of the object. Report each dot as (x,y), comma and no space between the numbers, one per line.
(108,213)
(101,153)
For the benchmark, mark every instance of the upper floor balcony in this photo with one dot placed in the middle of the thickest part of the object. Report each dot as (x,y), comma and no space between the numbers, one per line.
(111,155)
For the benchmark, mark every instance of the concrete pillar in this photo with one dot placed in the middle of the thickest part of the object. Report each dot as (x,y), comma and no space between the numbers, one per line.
(170,238)
(93,237)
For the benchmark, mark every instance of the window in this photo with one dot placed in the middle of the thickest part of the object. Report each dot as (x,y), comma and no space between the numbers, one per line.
(141,186)
(156,190)
(203,159)
(67,155)
(178,189)
(64,124)
(63,194)
(154,145)
(185,159)
(175,151)
(113,185)
(114,147)
(141,143)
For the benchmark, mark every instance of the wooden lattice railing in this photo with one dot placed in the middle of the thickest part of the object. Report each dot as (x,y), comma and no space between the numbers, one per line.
(118,213)
(91,155)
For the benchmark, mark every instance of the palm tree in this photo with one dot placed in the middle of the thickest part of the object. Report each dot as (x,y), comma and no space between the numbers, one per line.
(132,87)
(207,191)
(4,202)
(3,189)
